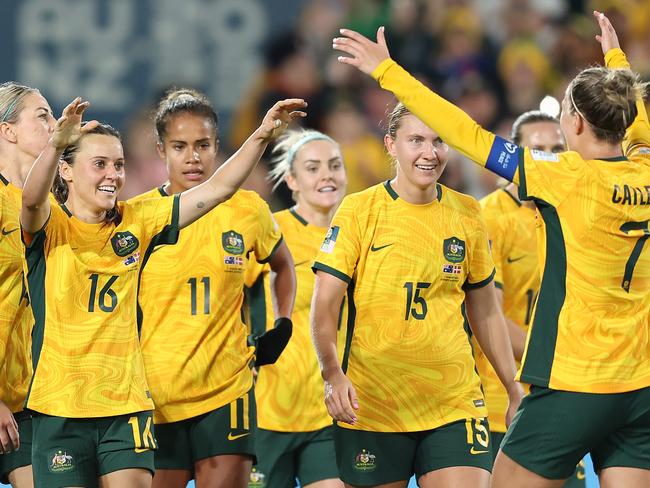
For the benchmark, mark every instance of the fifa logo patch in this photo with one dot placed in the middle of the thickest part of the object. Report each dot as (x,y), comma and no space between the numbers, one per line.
(330,239)
(232,242)
(365,461)
(454,249)
(124,243)
(132,259)
(256,479)
(61,462)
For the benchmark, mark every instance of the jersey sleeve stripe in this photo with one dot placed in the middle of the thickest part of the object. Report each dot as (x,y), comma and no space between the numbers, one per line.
(273,251)
(352,314)
(498,284)
(473,286)
(256,298)
(536,369)
(329,270)
(523,190)
(36,267)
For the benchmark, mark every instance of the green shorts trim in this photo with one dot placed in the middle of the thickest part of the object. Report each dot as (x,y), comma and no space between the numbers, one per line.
(373,458)
(285,456)
(23,456)
(230,429)
(553,431)
(76,452)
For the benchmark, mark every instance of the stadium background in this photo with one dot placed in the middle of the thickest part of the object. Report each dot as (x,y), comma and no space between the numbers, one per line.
(494,58)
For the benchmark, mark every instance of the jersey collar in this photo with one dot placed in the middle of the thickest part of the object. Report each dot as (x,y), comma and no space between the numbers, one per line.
(393,194)
(298,217)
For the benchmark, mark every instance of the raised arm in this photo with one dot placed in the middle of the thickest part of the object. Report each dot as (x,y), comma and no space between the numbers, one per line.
(453,125)
(231,175)
(36,204)
(638,134)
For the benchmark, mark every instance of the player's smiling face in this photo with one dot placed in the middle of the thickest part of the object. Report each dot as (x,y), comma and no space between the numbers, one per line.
(190,150)
(97,173)
(318,177)
(420,153)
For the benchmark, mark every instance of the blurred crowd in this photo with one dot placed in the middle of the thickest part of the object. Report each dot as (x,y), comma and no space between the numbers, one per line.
(493,58)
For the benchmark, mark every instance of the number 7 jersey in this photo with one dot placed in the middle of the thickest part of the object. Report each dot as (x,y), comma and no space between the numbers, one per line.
(407,267)
(590,330)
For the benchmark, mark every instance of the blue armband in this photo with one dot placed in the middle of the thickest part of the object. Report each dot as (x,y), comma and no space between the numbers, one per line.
(503,158)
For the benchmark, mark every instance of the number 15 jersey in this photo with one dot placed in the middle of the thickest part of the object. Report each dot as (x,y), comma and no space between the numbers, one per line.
(407,267)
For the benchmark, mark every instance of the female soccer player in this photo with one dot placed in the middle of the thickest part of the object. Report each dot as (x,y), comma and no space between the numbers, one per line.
(194,343)
(511,228)
(94,422)
(26,124)
(410,254)
(295,432)
(588,350)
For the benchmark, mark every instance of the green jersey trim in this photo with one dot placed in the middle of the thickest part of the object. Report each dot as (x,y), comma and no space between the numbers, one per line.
(536,368)
(329,270)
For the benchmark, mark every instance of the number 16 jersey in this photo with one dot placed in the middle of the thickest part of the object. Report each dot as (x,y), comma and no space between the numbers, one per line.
(407,267)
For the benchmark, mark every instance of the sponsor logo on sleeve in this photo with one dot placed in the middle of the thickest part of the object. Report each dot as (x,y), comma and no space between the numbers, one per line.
(330,239)
(538,155)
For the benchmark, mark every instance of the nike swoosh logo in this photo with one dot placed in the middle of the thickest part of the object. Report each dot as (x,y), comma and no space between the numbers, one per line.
(138,450)
(6,232)
(474,451)
(233,437)
(379,248)
(300,263)
(510,260)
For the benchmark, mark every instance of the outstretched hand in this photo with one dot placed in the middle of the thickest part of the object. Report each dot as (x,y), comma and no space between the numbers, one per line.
(279,116)
(68,128)
(607,38)
(365,54)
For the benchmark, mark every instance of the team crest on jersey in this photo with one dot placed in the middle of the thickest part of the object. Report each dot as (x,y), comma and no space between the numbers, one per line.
(454,250)
(61,462)
(365,461)
(256,479)
(124,243)
(233,242)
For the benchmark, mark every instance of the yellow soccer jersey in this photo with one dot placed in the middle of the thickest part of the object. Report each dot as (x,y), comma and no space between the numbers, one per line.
(83,281)
(590,324)
(407,266)
(512,233)
(194,342)
(16,317)
(289,393)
